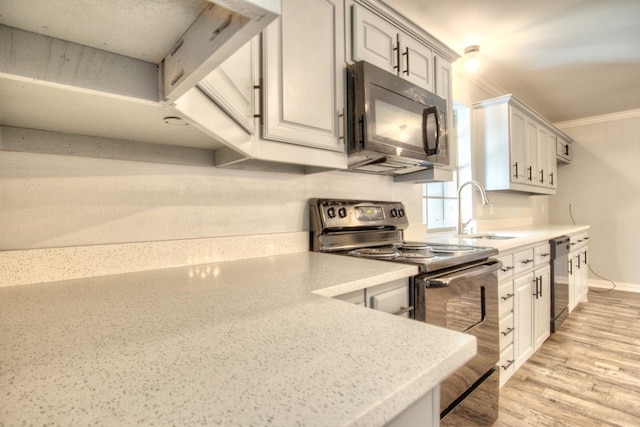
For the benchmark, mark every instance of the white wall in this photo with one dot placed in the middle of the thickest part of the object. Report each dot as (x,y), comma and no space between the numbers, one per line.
(53,201)
(602,184)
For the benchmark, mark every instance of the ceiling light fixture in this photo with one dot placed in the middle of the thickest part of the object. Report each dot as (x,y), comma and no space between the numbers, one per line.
(472,62)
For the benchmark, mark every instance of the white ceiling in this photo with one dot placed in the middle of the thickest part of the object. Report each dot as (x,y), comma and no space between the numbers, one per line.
(568,59)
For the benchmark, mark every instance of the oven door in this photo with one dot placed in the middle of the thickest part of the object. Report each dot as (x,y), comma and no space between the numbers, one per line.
(465,300)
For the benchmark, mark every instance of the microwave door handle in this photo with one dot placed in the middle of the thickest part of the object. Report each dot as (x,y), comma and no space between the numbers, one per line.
(425,115)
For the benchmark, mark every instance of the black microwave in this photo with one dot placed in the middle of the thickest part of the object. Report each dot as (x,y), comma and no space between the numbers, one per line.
(393,126)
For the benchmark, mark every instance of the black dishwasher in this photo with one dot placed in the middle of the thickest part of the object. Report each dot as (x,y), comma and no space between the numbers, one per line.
(559,281)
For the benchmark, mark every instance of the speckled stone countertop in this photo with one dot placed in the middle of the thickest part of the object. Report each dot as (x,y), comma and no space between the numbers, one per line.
(522,236)
(248,342)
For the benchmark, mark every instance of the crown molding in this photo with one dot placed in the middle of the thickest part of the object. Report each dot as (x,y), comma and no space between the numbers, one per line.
(629,114)
(480,82)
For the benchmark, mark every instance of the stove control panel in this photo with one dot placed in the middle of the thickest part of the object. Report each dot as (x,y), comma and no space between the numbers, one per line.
(358,214)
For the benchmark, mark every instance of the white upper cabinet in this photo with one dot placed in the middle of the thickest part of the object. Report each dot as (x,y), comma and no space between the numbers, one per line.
(286,91)
(374,39)
(563,149)
(232,85)
(304,76)
(378,41)
(515,147)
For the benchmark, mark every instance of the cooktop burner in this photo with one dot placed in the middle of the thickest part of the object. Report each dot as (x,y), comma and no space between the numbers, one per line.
(380,253)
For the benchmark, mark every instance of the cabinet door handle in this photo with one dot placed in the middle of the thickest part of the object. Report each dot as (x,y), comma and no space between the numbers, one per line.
(551,177)
(397,50)
(406,54)
(403,310)
(541,176)
(507,332)
(540,286)
(509,363)
(537,292)
(585,257)
(260,103)
(571,266)
(515,165)
(507,296)
(530,170)
(566,150)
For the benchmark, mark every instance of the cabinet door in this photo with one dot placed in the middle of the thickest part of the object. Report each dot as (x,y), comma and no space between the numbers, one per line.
(572,280)
(523,308)
(374,40)
(231,85)
(543,157)
(542,300)
(303,77)
(585,274)
(552,164)
(518,146)
(416,62)
(531,152)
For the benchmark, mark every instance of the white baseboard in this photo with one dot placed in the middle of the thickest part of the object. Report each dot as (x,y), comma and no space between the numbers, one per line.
(620,286)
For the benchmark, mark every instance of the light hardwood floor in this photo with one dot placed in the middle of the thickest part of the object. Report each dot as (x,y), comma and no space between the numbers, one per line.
(586,374)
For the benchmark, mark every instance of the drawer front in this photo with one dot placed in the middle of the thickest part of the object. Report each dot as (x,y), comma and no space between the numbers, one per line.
(541,255)
(506,332)
(506,364)
(578,240)
(522,261)
(505,293)
(506,272)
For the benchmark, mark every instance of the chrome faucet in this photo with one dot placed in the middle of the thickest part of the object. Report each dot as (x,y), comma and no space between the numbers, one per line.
(485,200)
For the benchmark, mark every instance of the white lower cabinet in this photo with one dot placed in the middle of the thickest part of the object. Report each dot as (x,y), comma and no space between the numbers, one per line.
(524,305)
(392,297)
(423,412)
(578,269)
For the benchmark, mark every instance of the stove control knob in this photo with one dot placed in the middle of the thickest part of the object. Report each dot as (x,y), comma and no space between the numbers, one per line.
(393,213)
(401,212)
(331,212)
(342,212)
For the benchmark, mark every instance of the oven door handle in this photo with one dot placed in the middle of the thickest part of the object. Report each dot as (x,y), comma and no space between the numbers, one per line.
(479,270)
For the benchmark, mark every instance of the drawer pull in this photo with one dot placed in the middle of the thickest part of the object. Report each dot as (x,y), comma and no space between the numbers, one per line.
(507,332)
(509,363)
(527,261)
(545,255)
(505,269)
(403,310)
(507,296)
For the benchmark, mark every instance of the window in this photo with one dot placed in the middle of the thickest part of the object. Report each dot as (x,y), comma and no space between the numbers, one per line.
(439,199)
(439,205)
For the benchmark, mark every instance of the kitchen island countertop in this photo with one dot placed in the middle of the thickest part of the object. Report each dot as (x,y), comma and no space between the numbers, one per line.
(247,342)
